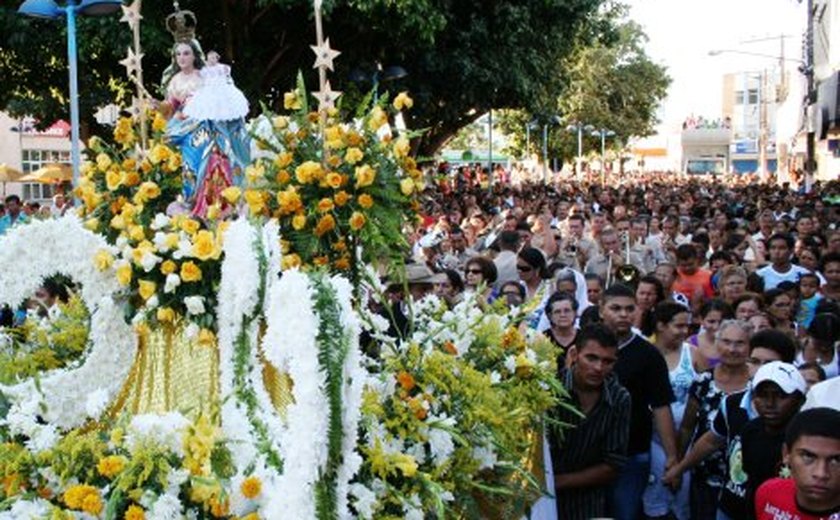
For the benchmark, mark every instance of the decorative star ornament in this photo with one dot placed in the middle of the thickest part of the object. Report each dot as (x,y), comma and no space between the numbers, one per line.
(326,96)
(132,62)
(131,14)
(324,55)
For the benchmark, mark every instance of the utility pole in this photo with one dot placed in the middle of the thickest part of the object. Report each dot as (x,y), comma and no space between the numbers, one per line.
(762,128)
(810,100)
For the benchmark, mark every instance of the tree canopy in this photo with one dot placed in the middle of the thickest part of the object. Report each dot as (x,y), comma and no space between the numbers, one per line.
(463,57)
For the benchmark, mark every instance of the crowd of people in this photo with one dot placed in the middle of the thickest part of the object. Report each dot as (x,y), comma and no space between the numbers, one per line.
(699,324)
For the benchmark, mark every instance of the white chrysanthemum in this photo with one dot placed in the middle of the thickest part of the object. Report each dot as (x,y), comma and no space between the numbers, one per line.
(167,507)
(365,500)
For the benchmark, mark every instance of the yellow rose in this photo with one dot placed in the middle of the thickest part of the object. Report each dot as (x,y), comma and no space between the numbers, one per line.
(308,172)
(334,180)
(407,186)
(131,178)
(255,200)
(402,147)
(103,259)
(190,226)
(357,221)
(92,224)
(204,246)
(113,179)
(159,123)
(124,274)
(365,175)
(325,225)
(280,122)
(149,191)
(290,262)
(103,162)
(283,159)
(165,315)
(232,194)
(291,101)
(403,101)
(365,201)
(353,155)
(299,222)
(190,272)
(325,205)
(124,132)
(168,267)
(341,198)
(159,153)
(118,222)
(289,201)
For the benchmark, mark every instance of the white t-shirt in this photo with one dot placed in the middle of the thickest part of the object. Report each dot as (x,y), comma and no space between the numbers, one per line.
(773,278)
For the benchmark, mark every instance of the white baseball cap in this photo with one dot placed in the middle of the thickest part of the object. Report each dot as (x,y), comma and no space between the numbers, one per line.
(783,374)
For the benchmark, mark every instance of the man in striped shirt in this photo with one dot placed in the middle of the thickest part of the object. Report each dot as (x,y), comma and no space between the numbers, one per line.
(588,456)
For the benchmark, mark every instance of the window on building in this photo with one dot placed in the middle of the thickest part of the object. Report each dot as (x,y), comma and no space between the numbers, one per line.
(752,96)
(739,97)
(34,159)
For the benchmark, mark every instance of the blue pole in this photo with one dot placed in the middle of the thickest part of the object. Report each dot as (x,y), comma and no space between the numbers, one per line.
(72,57)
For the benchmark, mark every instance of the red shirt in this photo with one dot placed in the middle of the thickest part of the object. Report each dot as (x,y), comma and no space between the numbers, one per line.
(776,500)
(698,283)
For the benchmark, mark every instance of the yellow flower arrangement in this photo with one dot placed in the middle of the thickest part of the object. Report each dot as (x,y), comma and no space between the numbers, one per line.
(190,272)
(364,175)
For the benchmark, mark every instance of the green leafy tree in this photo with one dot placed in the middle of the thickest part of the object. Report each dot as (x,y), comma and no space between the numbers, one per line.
(462,57)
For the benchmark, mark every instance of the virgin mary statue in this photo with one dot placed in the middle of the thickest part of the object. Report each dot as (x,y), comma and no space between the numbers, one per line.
(215,149)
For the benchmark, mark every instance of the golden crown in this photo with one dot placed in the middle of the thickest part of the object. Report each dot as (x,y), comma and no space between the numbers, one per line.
(181,24)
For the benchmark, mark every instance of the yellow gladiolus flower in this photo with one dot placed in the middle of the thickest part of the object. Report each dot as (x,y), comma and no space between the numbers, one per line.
(325,205)
(190,226)
(403,101)
(111,466)
(291,101)
(168,267)
(283,159)
(135,512)
(407,186)
(204,246)
(251,487)
(365,175)
(341,198)
(103,162)
(299,222)
(378,117)
(146,289)
(353,155)
(103,259)
(113,179)
(365,201)
(190,272)
(124,274)
(357,221)
(165,315)
(334,180)
(255,200)
(402,147)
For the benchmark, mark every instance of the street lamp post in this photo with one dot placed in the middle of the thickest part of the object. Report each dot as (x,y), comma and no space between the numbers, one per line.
(551,120)
(580,128)
(603,133)
(50,10)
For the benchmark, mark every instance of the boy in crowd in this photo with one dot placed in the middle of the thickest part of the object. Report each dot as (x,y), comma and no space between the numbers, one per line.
(781,269)
(809,297)
(812,453)
(590,454)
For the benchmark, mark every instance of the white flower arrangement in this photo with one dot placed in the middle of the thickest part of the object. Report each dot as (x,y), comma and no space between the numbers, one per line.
(66,398)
